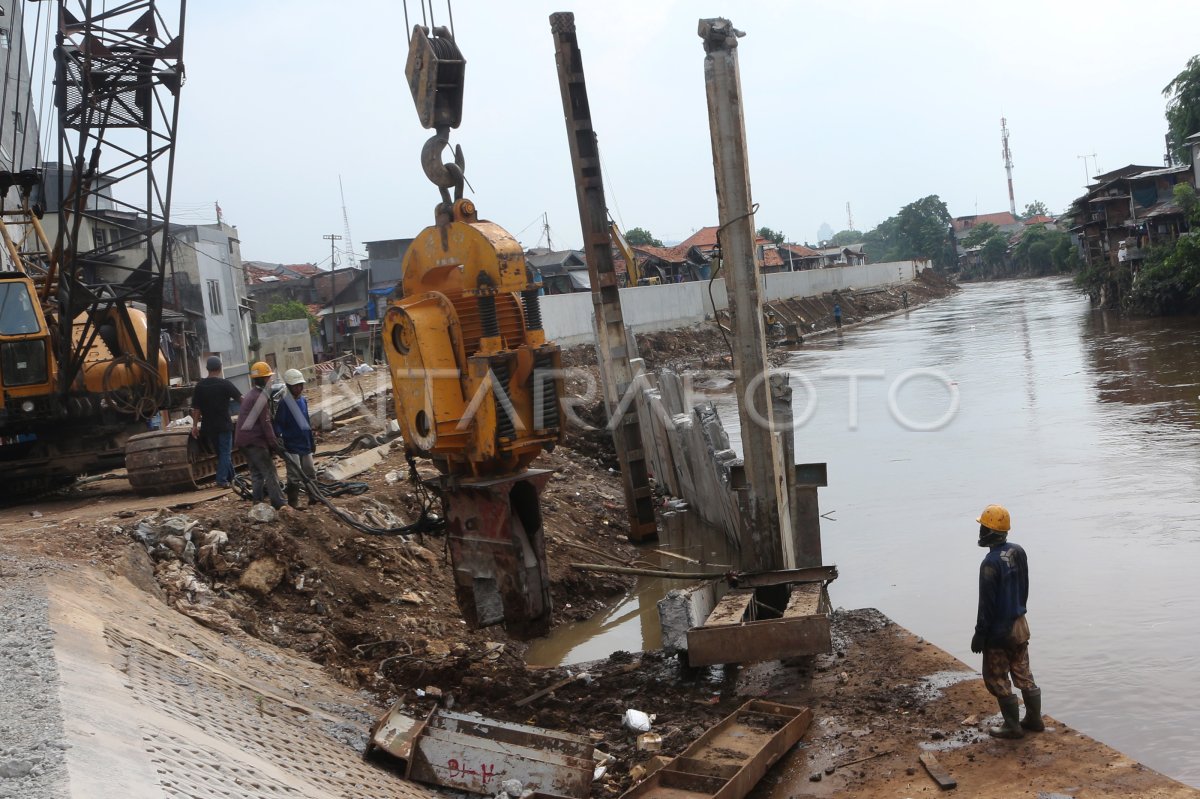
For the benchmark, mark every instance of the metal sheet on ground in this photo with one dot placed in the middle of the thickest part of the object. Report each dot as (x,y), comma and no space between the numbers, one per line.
(476,754)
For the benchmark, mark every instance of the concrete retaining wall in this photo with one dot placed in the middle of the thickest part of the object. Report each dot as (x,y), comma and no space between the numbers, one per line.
(569,318)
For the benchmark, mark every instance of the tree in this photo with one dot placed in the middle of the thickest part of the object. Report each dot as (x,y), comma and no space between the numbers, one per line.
(1183,108)
(772,235)
(844,237)
(292,309)
(921,229)
(640,237)
(1035,208)
(980,234)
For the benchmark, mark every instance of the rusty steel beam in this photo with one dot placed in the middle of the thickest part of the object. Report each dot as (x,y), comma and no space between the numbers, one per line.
(612,343)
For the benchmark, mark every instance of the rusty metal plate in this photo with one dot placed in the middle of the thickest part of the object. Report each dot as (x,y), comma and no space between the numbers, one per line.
(728,636)
(471,753)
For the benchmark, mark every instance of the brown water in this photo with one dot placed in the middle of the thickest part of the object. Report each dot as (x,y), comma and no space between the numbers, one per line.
(1086,426)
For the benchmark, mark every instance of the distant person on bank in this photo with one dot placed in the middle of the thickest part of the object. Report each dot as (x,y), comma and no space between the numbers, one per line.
(1001,631)
(257,440)
(210,417)
(295,431)
(837,315)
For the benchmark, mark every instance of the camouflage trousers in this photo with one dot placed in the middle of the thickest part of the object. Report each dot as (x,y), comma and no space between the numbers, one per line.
(999,663)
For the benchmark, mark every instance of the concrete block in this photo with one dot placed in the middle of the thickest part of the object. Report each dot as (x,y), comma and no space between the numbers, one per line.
(681,610)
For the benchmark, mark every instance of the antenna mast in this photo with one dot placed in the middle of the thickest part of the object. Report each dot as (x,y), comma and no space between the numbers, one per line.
(348,245)
(1012,202)
(849,217)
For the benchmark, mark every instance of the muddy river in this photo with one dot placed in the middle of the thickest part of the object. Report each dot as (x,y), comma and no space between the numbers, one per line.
(1086,426)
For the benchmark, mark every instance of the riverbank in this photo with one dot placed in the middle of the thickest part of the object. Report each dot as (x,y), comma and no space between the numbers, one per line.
(351,623)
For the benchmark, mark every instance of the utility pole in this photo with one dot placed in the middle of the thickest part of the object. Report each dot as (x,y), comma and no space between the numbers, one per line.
(333,240)
(1087,177)
(1008,165)
(612,340)
(767,538)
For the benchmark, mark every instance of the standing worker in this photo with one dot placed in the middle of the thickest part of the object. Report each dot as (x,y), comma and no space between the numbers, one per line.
(1001,631)
(294,429)
(256,437)
(210,417)
(837,315)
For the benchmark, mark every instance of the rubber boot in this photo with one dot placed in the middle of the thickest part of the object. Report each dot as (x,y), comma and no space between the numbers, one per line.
(1033,710)
(1010,708)
(293,495)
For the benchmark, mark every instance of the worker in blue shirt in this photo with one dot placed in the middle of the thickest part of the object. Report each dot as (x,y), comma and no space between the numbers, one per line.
(837,314)
(1001,631)
(295,432)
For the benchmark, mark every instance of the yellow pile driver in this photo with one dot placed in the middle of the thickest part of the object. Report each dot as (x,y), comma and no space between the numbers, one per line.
(476,384)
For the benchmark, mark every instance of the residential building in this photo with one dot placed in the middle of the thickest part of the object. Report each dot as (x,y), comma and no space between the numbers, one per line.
(1127,211)
(561,271)
(1001,219)
(19,142)
(849,255)
(766,252)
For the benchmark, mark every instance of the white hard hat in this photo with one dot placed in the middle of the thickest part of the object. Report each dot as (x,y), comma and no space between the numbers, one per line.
(293,377)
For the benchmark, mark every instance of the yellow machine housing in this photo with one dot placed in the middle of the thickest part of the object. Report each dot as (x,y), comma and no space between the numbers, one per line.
(467,323)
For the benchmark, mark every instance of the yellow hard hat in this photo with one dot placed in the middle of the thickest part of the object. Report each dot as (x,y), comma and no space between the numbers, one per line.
(995,517)
(261,369)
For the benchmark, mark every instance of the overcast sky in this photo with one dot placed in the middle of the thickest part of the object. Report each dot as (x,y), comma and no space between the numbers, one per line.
(872,102)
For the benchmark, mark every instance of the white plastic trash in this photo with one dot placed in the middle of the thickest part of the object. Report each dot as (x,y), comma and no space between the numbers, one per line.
(637,721)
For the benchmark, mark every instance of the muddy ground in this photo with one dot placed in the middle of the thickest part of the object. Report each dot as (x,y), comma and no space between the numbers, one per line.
(379,613)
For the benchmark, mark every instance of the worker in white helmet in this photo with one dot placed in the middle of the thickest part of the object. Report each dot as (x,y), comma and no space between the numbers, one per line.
(295,431)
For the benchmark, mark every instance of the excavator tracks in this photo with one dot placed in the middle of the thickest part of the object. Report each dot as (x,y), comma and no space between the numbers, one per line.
(169,461)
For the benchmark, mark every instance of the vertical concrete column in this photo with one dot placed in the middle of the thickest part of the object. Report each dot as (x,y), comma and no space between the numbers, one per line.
(767,534)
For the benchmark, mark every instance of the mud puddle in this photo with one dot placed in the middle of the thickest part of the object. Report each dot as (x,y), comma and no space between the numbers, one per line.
(630,624)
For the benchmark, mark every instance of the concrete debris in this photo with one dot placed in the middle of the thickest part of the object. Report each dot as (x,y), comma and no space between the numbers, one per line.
(262,576)
(12,769)
(262,512)
(649,742)
(357,464)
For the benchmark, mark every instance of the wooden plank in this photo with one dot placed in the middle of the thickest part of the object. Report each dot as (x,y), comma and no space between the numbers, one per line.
(938,772)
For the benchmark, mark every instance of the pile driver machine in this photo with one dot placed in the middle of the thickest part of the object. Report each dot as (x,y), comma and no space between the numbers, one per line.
(476,384)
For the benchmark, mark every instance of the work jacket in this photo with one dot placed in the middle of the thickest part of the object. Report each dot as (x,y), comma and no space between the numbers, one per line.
(1003,591)
(292,425)
(254,427)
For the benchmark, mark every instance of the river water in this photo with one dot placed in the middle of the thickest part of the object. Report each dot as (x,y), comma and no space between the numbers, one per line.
(1087,427)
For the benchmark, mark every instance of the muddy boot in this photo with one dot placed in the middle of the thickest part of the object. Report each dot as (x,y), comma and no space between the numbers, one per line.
(1033,710)
(293,495)
(1010,708)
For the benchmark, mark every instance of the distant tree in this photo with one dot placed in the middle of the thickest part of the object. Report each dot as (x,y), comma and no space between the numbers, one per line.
(980,234)
(1042,251)
(1183,108)
(292,309)
(994,250)
(772,235)
(921,229)
(1035,208)
(844,237)
(640,237)
(1169,281)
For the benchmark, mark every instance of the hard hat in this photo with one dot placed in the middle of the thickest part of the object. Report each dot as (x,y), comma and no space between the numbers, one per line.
(261,369)
(293,377)
(995,517)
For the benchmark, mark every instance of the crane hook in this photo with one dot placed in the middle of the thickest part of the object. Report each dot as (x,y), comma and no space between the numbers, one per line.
(443,175)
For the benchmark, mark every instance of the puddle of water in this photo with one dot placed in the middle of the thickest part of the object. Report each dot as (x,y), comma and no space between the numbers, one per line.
(631,623)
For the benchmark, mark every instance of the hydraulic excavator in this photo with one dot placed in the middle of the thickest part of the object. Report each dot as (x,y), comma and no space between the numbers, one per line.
(81,371)
(475,383)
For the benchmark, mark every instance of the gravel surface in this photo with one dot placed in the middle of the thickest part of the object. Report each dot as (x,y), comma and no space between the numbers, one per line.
(32,748)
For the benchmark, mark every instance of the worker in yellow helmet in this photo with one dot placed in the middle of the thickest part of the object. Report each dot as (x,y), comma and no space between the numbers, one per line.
(256,438)
(1001,631)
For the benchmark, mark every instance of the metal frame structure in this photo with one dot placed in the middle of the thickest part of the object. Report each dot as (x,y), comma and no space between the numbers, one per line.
(117,80)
